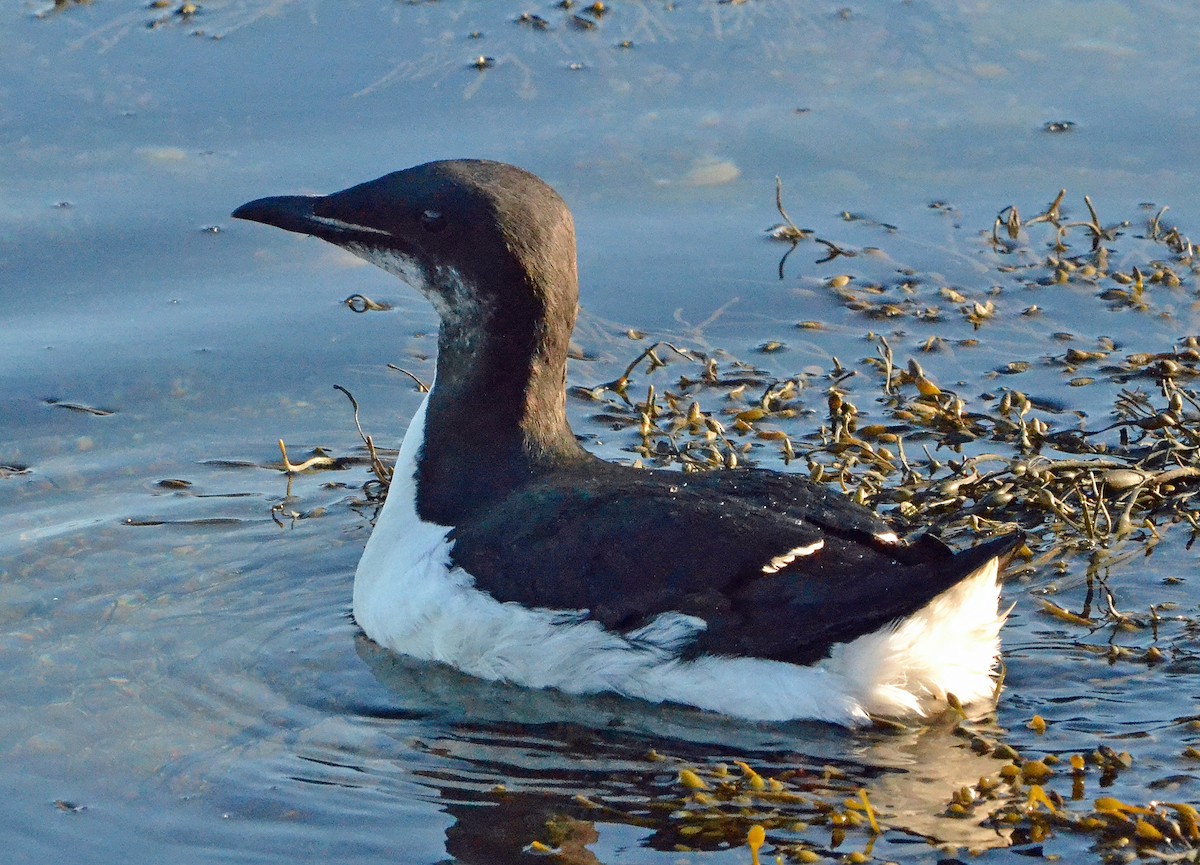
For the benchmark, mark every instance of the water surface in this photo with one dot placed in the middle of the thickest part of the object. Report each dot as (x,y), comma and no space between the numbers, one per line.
(182,678)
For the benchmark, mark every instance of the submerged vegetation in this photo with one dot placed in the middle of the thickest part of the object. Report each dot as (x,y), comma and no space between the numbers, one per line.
(812,813)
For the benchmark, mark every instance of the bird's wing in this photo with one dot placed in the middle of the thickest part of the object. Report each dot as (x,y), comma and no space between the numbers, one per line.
(765,583)
(795,496)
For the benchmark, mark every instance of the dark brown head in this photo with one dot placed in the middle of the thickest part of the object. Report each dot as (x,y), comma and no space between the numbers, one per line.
(493,248)
(477,238)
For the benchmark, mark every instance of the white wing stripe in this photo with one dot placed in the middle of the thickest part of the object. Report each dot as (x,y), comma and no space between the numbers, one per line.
(780,562)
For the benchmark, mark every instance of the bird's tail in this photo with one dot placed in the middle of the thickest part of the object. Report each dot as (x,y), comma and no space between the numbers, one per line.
(950,646)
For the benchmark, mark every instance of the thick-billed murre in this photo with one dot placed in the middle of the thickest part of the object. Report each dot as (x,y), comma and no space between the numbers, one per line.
(507,550)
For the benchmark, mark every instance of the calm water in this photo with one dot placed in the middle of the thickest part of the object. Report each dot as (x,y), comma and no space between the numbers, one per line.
(181,680)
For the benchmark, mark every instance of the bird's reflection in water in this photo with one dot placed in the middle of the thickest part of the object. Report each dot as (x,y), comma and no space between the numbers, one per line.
(520,766)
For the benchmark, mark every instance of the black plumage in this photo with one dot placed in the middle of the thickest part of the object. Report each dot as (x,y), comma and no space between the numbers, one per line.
(537,520)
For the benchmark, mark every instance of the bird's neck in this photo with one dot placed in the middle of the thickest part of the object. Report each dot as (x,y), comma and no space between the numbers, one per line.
(496,416)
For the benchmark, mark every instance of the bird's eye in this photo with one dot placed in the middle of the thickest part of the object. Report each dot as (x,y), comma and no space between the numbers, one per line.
(432,221)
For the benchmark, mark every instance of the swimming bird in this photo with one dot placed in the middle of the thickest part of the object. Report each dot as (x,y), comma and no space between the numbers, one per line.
(506,549)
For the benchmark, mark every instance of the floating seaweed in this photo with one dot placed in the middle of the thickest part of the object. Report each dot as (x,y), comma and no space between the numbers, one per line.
(80,408)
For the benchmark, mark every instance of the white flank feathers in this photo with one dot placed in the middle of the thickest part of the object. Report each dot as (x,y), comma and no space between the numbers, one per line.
(408,599)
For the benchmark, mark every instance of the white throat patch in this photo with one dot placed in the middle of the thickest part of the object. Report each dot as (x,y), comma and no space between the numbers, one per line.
(403,266)
(455,301)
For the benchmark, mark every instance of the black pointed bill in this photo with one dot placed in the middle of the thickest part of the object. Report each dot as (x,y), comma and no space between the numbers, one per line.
(289,212)
(298,213)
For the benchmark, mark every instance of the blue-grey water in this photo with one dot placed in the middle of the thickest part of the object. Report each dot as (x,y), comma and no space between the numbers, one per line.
(180,680)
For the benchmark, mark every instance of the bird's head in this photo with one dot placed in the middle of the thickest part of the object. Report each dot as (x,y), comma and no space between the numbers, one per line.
(475,237)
